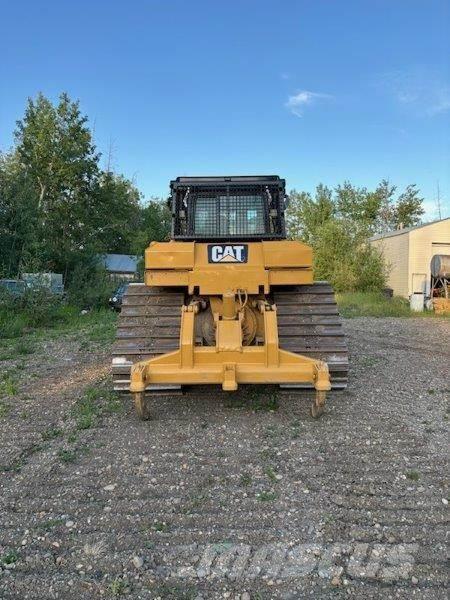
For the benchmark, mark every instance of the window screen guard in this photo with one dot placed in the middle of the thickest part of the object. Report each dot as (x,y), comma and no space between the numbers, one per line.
(229,216)
(221,212)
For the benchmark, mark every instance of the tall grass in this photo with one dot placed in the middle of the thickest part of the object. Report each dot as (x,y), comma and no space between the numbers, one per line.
(39,313)
(37,308)
(373,304)
(11,325)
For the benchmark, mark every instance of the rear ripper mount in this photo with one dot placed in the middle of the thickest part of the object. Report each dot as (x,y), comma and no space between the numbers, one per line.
(228,300)
(308,323)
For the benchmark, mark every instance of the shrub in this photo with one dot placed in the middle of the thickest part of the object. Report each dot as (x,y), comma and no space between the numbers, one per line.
(35,308)
(343,257)
(90,286)
(41,307)
(372,272)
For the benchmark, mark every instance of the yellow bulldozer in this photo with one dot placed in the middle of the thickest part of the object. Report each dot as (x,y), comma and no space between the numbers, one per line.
(229,300)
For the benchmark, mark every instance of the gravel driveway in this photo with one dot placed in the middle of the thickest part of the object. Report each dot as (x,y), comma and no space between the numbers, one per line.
(228,496)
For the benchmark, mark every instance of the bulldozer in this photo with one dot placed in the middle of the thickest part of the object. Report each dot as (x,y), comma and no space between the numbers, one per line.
(229,300)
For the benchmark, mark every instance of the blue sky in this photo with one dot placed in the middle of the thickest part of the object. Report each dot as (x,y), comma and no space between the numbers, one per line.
(315,91)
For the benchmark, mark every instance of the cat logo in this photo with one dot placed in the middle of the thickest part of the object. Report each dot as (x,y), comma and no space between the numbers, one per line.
(227,254)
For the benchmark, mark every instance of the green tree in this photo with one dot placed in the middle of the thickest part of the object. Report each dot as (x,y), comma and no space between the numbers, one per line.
(385,217)
(155,225)
(56,149)
(405,211)
(337,224)
(57,154)
(358,205)
(343,257)
(117,214)
(305,214)
(19,240)
(408,208)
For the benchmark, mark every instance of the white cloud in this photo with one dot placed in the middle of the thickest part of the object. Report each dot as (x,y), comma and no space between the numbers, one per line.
(442,103)
(419,90)
(296,103)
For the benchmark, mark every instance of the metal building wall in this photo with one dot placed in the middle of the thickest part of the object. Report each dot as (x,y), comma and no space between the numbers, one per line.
(424,243)
(408,255)
(395,250)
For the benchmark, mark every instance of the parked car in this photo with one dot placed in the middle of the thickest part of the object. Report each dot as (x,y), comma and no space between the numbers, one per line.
(52,282)
(115,302)
(14,287)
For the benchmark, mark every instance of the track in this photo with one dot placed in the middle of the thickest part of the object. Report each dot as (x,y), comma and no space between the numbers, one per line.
(308,323)
(148,325)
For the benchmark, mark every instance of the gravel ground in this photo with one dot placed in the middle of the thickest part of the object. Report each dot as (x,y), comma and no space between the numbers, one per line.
(228,496)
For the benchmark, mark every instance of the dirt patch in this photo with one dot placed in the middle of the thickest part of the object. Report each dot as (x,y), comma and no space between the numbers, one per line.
(220,496)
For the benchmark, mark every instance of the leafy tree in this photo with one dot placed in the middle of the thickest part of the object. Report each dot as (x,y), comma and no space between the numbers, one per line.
(56,152)
(385,193)
(56,149)
(58,210)
(116,215)
(343,256)
(405,211)
(305,214)
(19,241)
(358,205)
(337,224)
(408,208)
(155,225)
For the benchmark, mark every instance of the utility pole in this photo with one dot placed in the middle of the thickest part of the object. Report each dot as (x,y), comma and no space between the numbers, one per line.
(110,158)
(438,199)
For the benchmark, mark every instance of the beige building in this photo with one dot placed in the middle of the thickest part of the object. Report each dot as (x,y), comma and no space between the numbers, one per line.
(408,254)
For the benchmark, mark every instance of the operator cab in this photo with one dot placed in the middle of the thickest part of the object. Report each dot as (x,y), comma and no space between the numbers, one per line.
(214,208)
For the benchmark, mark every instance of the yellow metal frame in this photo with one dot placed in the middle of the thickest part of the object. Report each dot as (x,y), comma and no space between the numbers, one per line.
(269,263)
(230,363)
